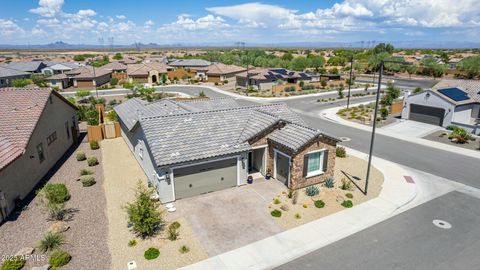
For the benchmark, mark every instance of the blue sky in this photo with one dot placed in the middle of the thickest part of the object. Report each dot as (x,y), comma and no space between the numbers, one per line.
(167,22)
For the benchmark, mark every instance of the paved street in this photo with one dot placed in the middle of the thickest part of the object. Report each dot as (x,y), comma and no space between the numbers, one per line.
(408,241)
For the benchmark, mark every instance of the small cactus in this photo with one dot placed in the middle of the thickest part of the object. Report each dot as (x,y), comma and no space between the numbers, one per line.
(330,182)
(312,191)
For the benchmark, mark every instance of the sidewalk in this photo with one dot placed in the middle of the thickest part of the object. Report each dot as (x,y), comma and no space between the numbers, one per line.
(286,246)
(331,115)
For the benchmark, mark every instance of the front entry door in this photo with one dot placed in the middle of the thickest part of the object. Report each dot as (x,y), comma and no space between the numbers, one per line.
(282,166)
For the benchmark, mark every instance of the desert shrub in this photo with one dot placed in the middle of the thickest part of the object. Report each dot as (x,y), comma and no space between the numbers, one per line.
(52,200)
(276,213)
(451,127)
(87,180)
(85,172)
(184,249)
(290,193)
(319,204)
(384,113)
(173,231)
(112,116)
(297,216)
(92,161)
(460,135)
(347,204)
(114,81)
(305,205)
(341,152)
(132,243)
(312,191)
(143,213)
(349,195)
(56,193)
(330,182)
(346,185)
(276,201)
(151,253)
(94,145)
(81,156)
(50,241)
(14,263)
(59,258)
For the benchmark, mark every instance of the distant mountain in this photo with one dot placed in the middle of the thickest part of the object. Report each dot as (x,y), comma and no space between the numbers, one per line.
(60,45)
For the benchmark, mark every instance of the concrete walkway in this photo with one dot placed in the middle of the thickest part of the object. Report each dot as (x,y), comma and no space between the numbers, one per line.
(397,195)
(331,115)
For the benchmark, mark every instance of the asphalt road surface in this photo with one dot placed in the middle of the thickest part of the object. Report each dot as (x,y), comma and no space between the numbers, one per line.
(408,241)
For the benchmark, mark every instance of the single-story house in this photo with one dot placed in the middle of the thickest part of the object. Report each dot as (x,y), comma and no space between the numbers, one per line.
(264,79)
(219,72)
(194,68)
(150,73)
(30,67)
(7,75)
(187,148)
(60,81)
(449,102)
(54,68)
(88,77)
(37,127)
(118,70)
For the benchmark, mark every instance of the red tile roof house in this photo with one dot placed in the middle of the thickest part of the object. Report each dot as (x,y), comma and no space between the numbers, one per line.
(150,73)
(119,70)
(219,72)
(88,77)
(37,127)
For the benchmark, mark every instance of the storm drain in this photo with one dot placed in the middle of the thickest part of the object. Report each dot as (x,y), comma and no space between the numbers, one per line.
(442,224)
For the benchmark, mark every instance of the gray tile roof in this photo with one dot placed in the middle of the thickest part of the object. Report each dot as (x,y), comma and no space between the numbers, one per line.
(197,105)
(128,111)
(189,63)
(471,87)
(31,66)
(8,72)
(294,136)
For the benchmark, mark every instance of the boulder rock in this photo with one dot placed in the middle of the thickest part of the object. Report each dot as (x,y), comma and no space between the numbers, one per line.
(25,251)
(59,227)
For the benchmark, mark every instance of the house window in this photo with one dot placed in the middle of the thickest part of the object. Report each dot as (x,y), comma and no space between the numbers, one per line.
(41,154)
(315,163)
(67,130)
(52,138)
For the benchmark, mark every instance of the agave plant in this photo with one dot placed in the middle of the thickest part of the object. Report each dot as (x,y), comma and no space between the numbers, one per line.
(312,191)
(329,182)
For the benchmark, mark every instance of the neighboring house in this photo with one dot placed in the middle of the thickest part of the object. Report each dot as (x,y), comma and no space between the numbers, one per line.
(449,102)
(264,79)
(54,68)
(60,81)
(88,77)
(7,75)
(146,73)
(194,68)
(30,67)
(119,70)
(187,148)
(37,127)
(219,72)
(156,58)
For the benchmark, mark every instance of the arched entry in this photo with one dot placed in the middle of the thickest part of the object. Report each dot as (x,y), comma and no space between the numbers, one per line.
(154,79)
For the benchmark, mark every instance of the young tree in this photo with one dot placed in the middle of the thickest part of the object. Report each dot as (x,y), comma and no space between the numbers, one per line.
(118,56)
(411,70)
(470,66)
(143,213)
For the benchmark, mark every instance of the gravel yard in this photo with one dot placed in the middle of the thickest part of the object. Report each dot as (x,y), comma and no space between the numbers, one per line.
(122,172)
(333,197)
(87,236)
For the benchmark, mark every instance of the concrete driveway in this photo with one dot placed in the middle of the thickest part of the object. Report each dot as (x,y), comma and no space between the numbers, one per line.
(231,218)
(411,128)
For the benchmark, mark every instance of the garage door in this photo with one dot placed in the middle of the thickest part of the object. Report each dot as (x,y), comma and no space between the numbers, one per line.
(426,114)
(204,178)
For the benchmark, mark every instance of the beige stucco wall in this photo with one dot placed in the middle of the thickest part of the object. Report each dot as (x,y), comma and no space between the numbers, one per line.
(19,178)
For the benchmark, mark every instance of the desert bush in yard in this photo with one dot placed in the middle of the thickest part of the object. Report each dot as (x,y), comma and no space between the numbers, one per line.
(276,213)
(329,182)
(151,253)
(132,243)
(341,152)
(312,191)
(347,204)
(384,113)
(349,195)
(297,216)
(290,193)
(112,116)
(81,156)
(94,145)
(14,263)
(459,135)
(59,258)
(87,180)
(451,127)
(305,205)
(184,249)
(173,231)
(276,201)
(56,193)
(143,212)
(51,241)
(52,199)
(92,161)
(319,204)
(85,172)
(346,184)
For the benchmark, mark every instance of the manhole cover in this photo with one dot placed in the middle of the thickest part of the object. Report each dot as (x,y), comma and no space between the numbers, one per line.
(441,224)
(344,139)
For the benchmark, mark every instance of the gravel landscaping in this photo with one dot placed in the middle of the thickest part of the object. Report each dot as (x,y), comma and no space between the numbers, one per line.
(440,137)
(122,173)
(305,210)
(86,237)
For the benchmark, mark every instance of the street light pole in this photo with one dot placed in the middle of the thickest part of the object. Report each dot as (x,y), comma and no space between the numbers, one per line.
(350,82)
(94,82)
(372,139)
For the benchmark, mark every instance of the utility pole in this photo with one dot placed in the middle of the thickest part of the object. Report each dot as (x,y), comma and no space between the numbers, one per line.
(350,82)
(93,80)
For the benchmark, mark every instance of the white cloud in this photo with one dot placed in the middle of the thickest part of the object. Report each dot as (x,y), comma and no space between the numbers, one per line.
(10,28)
(121,17)
(149,23)
(206,22)
(48,8)
(86,13)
